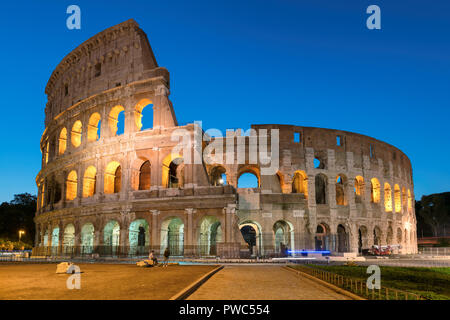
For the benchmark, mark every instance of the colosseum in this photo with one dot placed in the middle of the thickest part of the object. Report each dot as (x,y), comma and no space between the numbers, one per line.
(112,186)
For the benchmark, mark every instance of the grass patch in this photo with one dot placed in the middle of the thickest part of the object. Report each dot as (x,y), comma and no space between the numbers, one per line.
(431,283)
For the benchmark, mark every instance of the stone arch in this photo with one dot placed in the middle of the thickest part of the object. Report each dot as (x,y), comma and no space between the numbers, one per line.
(75,134)
(93,130)
(389,236)
(172,235)
(62,141)
(250,169)
(283,236)
(111,237)
(87,238)
(342,239)
(375,191)
(251,232)
(321,182)
(209,234)
(113,119)
(322,237)
(69,238)
(89,181)
(144,175)
(218,175)
(300,183)
(71,185)
(138,109)
(113,177)
(341,188)
(363,239)
(173,171)
(387,197)
(377,234)
(139,236)
(359,189)
(397,198)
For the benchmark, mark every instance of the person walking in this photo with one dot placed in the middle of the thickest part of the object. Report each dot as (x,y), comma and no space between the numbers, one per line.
(166,257)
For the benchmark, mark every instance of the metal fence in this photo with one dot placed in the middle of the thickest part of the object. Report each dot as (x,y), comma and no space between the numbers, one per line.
(436,251)
(359,286)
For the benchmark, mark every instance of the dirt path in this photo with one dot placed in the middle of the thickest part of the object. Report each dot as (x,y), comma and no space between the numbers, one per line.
(98,281)
(262,283)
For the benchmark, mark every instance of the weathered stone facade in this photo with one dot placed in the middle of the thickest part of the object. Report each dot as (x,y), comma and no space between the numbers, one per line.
(110,193)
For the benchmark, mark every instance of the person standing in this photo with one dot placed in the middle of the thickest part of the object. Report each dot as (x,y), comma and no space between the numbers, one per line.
(166,257)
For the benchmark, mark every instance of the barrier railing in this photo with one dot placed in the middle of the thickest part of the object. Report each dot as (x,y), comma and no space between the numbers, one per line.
(359,286)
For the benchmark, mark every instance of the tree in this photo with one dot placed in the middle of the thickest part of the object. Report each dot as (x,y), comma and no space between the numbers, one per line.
(433,213)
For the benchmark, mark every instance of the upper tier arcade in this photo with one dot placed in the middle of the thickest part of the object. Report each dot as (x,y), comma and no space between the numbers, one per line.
(113,58)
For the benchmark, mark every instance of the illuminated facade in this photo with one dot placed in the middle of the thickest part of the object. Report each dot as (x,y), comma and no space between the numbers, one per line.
(110,192)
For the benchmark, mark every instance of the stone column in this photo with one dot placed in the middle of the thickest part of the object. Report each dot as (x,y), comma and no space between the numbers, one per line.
(189,232)
(155,233)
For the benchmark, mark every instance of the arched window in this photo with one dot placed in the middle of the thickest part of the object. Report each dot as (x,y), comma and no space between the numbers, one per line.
(375,190)
(144,176)
(300,183)
(359,189)
(341,186)
(116,120)
(321,189)
(89,182)
(113,177)
(71,185)
(248,177)
(143,114)
(93,133)
(75,135)
(409,201)
(342,239)
(397,198)
(387,197)
(62,145)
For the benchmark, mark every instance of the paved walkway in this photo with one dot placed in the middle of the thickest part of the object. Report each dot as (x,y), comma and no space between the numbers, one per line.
(262,283)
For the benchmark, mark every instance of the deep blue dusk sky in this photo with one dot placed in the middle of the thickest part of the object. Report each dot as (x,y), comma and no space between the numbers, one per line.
(234,63)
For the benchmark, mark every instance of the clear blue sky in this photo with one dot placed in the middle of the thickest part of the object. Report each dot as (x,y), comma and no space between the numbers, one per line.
(234,63)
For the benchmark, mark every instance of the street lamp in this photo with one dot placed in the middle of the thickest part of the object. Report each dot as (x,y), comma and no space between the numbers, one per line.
(21,232)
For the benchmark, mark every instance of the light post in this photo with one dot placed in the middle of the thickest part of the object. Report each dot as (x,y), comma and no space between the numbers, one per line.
(21,232)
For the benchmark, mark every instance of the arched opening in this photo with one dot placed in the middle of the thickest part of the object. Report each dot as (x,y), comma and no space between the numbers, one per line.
(251,237)
(362,239)
(210,234)
(341,186)
(144,176)
(397,198)
(300,183)
(283,238)
(318,164)
(62,142)
(172,236)
(87,238)
(387,197)
(75,135)
(143,115)
(248,180)
(89,182)
(321,238)
(374,190)
(377,236)
(116,120)
(93,133)
(359,189)
(139,237)
(111,237)
(55,241)
(113,177)
(399,236)
(69,239)
(71,185)
(321,189)
(218,176)
(342,239)
(389,236)
(173,171)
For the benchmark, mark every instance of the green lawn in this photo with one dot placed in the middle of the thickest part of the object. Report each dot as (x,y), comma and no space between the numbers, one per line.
(431,283)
